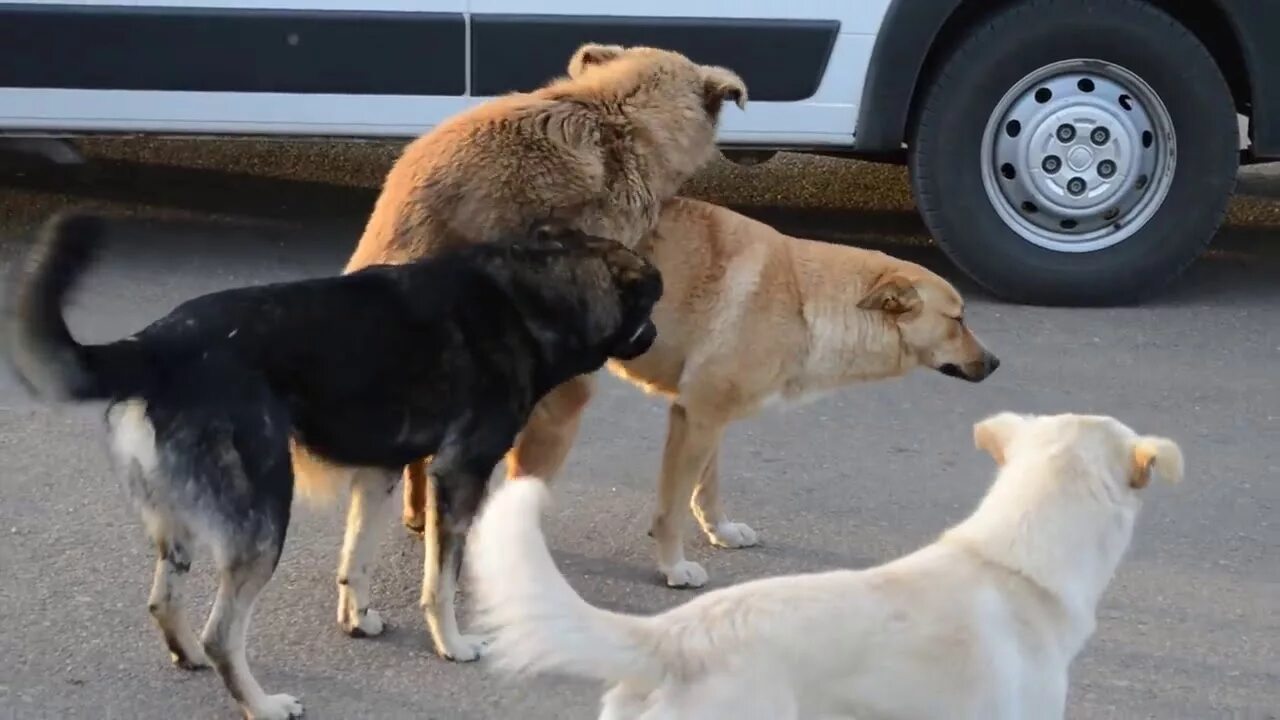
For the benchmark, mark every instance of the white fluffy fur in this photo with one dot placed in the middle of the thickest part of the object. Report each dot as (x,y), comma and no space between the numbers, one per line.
(981,624)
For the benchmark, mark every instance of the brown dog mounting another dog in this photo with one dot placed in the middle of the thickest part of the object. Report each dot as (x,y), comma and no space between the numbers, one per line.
(598,152)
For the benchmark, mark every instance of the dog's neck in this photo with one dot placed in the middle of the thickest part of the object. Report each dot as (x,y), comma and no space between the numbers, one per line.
(848,345)
(679,155)
(1066,537)
(556,347)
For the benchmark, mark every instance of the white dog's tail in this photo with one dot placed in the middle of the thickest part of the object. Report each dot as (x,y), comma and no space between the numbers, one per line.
(540,623)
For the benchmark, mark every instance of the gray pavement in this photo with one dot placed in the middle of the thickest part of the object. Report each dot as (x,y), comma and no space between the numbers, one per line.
(1190,629)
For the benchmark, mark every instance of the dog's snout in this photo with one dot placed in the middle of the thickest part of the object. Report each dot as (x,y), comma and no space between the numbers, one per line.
(989,363)
(982,369)
(637,343)
(975,371)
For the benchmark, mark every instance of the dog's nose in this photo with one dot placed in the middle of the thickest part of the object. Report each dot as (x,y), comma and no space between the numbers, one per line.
(990,363)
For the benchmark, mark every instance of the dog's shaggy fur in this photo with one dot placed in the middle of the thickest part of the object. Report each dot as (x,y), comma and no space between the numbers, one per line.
(982,624)
(597,151)
(751,317)
(358,375)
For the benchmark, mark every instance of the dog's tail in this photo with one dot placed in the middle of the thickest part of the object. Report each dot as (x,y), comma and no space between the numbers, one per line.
(540,623)
(46,357)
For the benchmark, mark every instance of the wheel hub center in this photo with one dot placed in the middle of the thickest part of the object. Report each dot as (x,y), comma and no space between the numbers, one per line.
(1079,158)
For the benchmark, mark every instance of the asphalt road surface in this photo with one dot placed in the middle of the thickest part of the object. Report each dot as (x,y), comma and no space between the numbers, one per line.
(1190,629)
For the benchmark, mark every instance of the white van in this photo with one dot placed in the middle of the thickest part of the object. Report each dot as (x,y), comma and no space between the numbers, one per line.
(1061,151)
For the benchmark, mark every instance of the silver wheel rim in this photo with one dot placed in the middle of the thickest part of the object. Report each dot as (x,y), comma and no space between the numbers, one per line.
(1078,156)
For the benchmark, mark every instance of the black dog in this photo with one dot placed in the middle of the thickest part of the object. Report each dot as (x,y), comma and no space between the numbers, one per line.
(214,405)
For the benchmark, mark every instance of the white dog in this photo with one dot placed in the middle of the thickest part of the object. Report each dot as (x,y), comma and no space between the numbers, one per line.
(981,624)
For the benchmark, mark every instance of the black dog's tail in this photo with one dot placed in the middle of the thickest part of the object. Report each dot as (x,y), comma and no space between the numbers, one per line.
(47,358)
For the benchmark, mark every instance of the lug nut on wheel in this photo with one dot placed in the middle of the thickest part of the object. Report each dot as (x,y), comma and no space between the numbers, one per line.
(1051,164)
(1077,186)
(1066,133)
(1100,136)
(1106,168)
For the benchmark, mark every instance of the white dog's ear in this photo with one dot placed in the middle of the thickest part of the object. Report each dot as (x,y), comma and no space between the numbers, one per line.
(1156,454)
(892,293)
(724,84)
(593,54)
(992,434)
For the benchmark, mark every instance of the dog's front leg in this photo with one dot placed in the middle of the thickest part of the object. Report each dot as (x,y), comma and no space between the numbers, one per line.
(456,485)
(691,443)
(539,450)
(709,510)
(544,443)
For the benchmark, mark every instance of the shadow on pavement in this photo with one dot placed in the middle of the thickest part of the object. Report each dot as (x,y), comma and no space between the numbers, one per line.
(1244,261)
(123,184)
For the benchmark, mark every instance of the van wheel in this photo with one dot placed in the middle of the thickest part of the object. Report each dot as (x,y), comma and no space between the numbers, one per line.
(1077,152)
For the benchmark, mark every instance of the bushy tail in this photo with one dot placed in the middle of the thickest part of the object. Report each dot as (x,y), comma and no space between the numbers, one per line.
(40,346)
(540,623)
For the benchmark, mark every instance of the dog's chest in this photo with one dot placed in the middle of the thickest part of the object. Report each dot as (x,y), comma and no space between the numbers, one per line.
(790,398)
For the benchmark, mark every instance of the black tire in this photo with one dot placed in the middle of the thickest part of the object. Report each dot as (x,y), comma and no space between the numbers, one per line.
(996,55)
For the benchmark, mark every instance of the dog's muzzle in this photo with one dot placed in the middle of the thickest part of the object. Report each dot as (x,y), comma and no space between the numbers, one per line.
(974,371)
(638,343)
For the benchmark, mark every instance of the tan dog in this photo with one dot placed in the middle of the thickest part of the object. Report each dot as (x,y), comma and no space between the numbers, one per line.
(750,317)
(981,624)
(597,151)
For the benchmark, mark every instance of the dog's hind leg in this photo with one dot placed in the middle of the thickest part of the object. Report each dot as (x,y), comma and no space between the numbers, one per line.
(709,510)
(234,434)
(136,451)
(243,572)
(371,491)
(543,445)
(138,457)
(165,603)
(691,444)
(222,475)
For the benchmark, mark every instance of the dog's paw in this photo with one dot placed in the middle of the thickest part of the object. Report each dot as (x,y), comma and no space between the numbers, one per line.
(686,574)
(466,648)
(190,661)
(732,535)
(362,623)
(275,707)
(416,524)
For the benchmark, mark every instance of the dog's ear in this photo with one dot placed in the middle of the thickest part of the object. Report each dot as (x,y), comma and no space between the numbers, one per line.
(1155,454)
(892,293)
(721,84)
(993,433)
(592,54)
